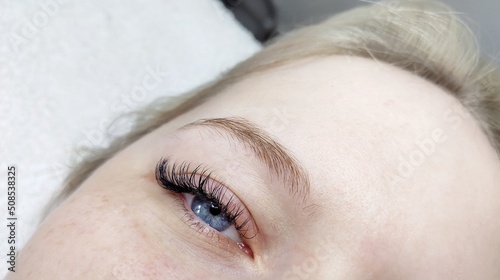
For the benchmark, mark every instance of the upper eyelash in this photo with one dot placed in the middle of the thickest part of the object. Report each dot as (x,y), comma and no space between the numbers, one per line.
(179,179)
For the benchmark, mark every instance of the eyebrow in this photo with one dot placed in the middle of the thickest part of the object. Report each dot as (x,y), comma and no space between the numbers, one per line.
(266,149)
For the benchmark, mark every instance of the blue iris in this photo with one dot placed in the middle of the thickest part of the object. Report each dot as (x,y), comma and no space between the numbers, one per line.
(210,213)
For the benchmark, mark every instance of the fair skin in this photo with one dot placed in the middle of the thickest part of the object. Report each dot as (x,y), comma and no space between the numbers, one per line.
(403,185)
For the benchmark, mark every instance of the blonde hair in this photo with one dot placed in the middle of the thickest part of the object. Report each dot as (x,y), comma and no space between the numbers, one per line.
(423,37)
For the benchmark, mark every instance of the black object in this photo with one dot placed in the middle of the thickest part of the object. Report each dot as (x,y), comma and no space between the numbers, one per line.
(258,16)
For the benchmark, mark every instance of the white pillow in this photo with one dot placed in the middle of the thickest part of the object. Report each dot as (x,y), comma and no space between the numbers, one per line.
(67,68)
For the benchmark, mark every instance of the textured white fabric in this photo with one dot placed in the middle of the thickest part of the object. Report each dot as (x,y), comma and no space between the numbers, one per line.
(69,67)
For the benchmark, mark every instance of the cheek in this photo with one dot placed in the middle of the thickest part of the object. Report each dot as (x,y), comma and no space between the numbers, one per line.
(159,267)
(85,239)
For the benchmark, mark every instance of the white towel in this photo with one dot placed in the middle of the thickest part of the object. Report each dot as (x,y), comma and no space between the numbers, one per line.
(69,67)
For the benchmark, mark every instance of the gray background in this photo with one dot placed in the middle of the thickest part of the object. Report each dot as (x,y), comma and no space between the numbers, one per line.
(483,16)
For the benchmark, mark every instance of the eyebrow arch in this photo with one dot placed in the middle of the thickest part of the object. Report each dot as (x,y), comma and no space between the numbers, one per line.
(270,152)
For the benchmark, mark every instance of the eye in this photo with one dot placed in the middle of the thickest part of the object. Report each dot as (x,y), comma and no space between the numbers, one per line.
(211,214)
(210,207)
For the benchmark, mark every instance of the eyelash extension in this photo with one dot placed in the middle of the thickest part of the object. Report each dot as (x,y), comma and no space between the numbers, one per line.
(178,179)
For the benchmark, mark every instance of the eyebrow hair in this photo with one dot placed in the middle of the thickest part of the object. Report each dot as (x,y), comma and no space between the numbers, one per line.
(270,152)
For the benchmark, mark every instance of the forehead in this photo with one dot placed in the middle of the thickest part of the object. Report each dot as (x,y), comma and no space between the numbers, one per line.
(358,115)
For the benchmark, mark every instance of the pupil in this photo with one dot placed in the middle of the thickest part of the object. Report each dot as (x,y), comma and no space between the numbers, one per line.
(214,209)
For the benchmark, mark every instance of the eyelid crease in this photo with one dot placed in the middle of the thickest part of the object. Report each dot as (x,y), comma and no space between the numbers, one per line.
(270,152)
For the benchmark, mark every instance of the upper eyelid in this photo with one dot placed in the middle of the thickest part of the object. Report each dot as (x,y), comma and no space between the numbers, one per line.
(269,151)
